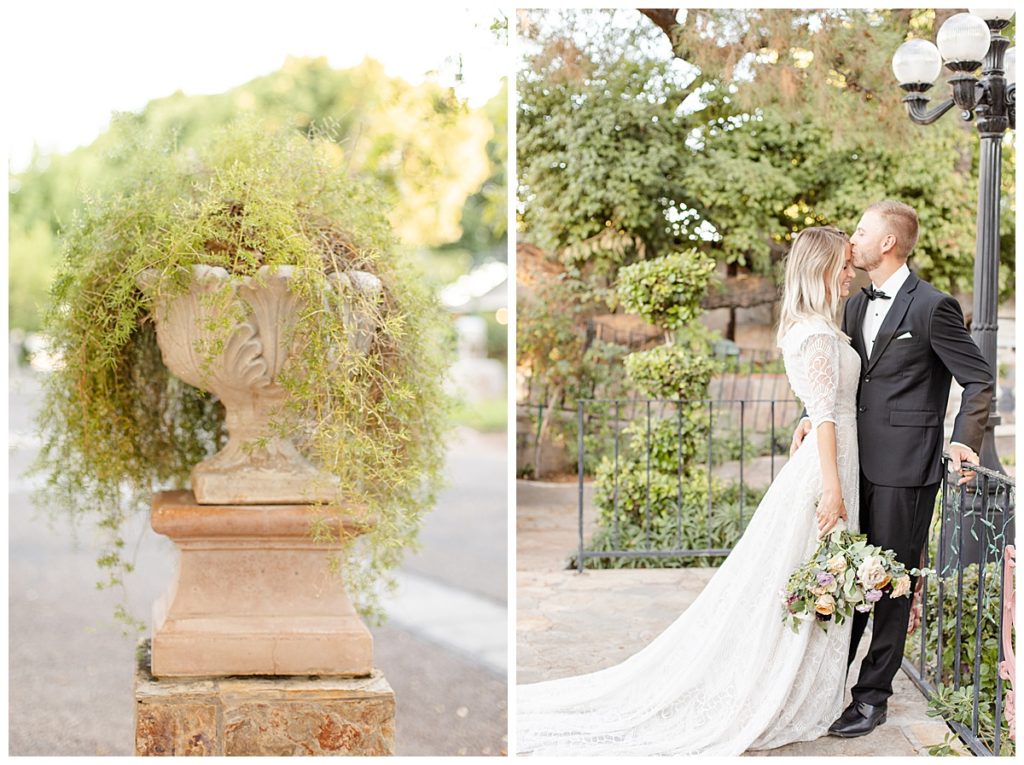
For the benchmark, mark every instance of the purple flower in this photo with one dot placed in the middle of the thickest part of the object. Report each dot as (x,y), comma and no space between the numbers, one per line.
(825,579)
(863,607)
(873,596)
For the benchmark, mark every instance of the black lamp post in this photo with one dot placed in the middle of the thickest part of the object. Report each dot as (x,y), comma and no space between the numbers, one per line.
(968,41)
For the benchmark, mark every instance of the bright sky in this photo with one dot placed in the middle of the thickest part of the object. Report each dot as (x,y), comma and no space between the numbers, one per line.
(68,65)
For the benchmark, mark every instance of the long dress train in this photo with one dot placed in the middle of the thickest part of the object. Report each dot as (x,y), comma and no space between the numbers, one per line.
(729,675)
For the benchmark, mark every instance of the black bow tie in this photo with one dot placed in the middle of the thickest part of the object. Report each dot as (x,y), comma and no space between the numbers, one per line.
(872,293)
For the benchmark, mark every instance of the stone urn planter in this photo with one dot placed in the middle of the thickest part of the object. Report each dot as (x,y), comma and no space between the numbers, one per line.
(258,465)
(237,321)
(253,594)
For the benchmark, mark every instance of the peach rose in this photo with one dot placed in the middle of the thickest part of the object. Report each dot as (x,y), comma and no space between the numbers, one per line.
(836,564)
(900,587)
(825,605)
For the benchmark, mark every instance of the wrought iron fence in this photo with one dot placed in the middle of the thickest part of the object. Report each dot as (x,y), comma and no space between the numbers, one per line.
(610,433)
(960,658)
(750,374)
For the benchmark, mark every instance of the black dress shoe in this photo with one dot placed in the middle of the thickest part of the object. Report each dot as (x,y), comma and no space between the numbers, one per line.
(849,715)
(858,719)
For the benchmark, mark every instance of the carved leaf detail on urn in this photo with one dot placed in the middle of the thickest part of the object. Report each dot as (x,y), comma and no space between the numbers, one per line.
(233,338)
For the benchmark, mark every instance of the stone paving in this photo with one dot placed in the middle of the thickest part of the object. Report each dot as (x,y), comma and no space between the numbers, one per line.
(568,623)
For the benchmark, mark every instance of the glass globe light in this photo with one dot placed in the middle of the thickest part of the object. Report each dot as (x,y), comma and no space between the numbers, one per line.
(916,61)
(1002,14)
(963,39)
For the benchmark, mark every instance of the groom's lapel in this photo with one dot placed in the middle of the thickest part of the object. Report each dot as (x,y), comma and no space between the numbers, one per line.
(856,331)
(900,304)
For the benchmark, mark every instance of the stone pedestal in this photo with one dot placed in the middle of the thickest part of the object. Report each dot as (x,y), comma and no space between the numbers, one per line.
(253,594)
(262,715)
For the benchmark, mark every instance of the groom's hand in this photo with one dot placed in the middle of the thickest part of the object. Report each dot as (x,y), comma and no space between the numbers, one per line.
(958,453)
(799,434)
(915,614)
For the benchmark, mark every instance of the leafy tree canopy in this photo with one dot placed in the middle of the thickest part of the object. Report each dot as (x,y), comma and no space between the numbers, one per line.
(731,130)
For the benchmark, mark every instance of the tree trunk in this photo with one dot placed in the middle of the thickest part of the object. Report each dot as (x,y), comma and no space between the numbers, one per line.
(545,426)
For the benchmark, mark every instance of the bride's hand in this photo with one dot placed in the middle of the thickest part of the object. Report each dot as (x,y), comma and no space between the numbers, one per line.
(830,509)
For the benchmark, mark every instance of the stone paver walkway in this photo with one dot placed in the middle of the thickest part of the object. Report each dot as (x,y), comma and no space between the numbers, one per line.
(568,623)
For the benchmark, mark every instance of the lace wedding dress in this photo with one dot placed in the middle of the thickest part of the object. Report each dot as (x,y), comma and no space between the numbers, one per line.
(729,675)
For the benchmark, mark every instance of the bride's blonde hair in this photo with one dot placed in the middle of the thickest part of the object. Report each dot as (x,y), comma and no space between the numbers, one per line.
(818,253)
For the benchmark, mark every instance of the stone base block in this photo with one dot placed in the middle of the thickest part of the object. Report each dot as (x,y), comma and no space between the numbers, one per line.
(262,715)
(254,594)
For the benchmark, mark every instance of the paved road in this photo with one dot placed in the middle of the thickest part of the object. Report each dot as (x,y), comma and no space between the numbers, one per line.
(71,670)
(465,540)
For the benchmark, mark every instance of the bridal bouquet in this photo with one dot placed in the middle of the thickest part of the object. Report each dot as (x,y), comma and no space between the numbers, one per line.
(844,574)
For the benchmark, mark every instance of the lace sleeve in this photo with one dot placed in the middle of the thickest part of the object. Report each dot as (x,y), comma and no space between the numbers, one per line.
(821,355)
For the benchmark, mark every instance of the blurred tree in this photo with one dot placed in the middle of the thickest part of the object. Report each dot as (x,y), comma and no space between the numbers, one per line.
(429,152)
(485,213)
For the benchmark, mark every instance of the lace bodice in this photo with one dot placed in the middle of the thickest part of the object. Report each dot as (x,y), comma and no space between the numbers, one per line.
(823,369)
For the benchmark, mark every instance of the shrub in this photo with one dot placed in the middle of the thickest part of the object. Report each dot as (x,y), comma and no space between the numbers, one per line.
(671,371)
(666,291)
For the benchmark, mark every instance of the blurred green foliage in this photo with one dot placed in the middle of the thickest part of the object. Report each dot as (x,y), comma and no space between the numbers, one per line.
(439,163)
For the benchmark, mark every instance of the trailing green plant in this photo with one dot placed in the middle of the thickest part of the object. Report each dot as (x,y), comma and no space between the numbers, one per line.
(947,702)
(117,425)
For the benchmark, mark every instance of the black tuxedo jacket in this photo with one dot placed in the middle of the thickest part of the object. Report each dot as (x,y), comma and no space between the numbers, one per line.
(904,385)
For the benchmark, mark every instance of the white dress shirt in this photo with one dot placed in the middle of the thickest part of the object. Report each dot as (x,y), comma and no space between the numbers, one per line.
(878,308)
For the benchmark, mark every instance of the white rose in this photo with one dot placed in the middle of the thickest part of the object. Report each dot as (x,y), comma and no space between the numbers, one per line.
(871,573)
(836,564)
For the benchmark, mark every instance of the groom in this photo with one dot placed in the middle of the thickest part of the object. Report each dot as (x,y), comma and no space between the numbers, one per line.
(911,339)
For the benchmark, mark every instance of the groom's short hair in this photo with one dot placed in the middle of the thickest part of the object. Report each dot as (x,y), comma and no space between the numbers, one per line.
(903,220)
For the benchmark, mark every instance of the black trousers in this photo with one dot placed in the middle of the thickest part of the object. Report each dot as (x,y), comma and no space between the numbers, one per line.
(896,518)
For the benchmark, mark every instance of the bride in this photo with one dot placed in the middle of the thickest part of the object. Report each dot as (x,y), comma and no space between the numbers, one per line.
(728,675)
